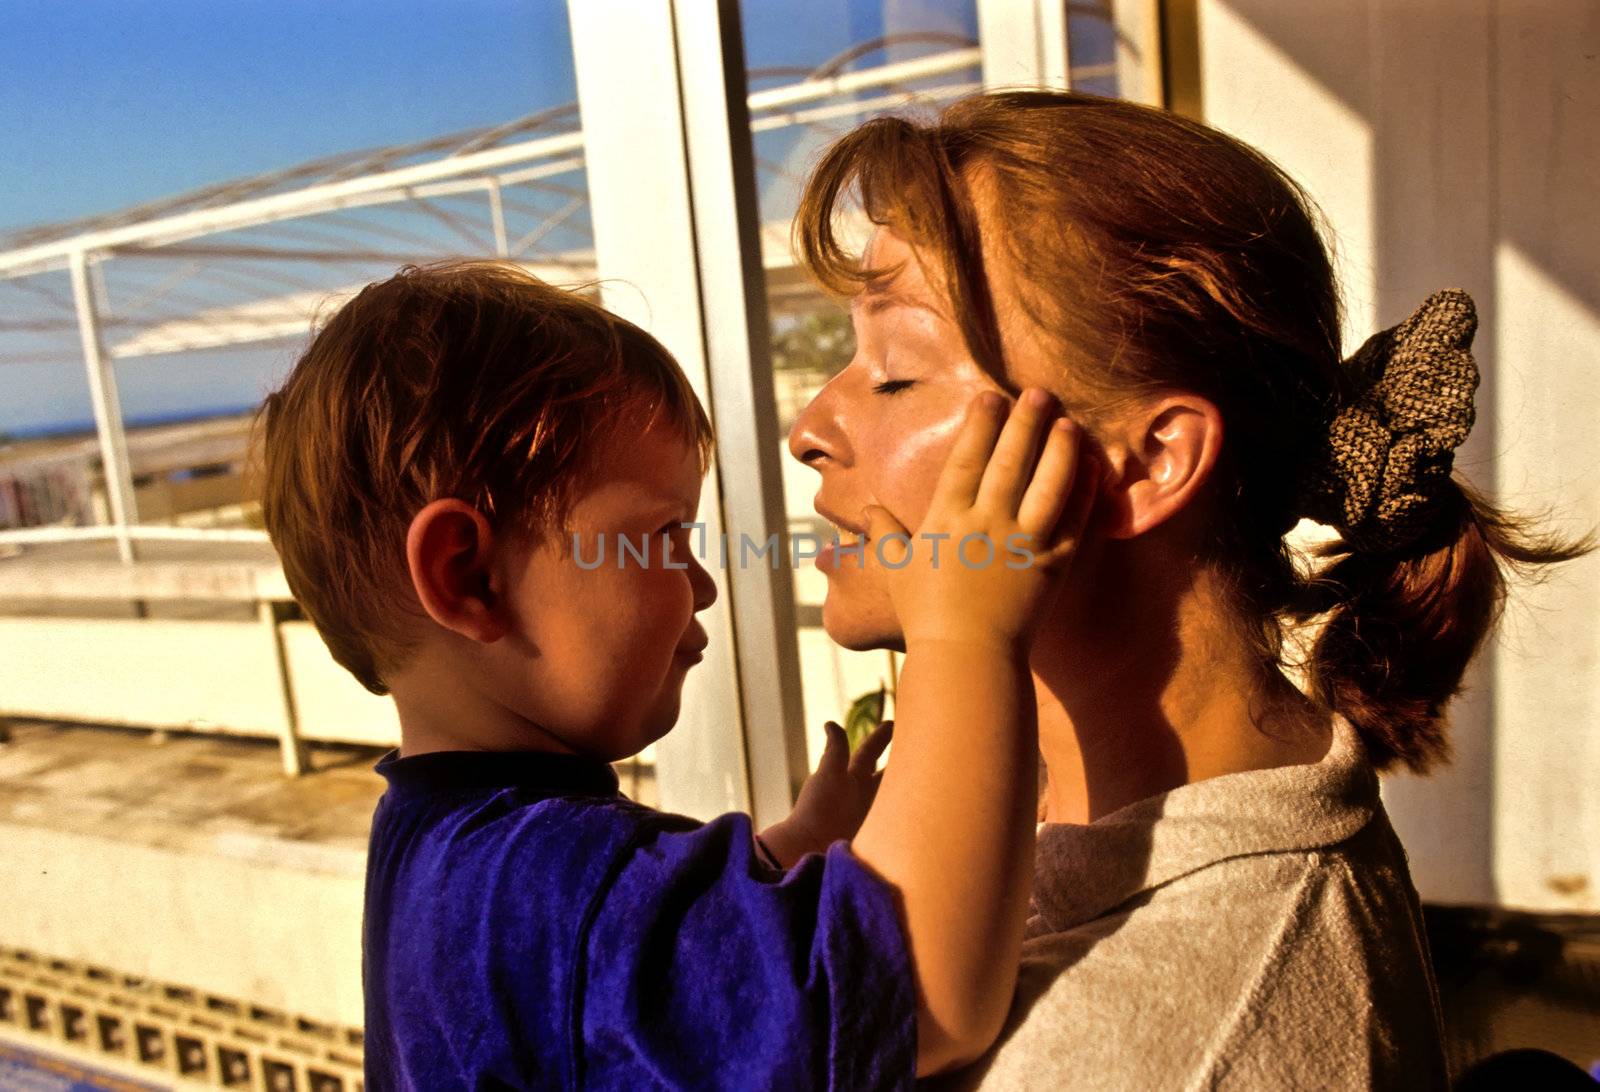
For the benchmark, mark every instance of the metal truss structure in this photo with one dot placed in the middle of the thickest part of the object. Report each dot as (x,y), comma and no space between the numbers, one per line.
(257,259)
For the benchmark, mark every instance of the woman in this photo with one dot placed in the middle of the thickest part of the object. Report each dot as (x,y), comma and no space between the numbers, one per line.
(1219,898)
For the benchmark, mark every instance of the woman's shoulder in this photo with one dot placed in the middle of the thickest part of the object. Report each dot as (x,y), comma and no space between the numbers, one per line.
(1257,929)
(1200,943)
(1255,970)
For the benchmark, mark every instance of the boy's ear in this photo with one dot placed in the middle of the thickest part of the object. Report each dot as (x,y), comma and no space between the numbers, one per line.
(449,550)
(1168,447)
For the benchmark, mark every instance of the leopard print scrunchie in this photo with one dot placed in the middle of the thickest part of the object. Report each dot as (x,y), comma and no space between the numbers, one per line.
(1386,464)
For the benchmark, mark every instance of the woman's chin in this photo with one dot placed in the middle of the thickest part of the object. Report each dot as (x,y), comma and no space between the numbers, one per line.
(859,630)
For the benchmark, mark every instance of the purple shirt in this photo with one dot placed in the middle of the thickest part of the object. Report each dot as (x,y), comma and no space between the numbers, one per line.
(527,926)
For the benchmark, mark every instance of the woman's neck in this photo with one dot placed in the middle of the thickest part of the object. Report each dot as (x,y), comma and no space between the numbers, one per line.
(1136,702)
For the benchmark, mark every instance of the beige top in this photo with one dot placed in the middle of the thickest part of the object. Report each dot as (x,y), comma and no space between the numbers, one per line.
(1257,930)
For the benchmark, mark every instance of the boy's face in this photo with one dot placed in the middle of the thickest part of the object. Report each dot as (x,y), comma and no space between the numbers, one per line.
(604,648)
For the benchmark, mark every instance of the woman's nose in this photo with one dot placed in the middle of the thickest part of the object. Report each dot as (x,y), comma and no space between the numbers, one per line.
(816,434)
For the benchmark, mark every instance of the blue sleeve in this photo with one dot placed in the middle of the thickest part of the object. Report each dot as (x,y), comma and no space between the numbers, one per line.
(704,968)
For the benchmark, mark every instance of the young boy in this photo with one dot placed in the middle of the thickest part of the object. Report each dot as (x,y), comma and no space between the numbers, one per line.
(440,471)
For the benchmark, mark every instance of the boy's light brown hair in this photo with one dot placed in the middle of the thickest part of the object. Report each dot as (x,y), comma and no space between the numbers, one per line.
(472,380)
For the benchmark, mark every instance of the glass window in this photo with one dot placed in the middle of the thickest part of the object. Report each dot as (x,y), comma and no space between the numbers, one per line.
(265,170)
(816,70)
(267,231)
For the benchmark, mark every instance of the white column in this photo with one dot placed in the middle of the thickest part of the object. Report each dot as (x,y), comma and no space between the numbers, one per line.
(661,89)
(1451,143)
(1024,43)
(115,466)
(1138,56)
(296,756)
(1546,154)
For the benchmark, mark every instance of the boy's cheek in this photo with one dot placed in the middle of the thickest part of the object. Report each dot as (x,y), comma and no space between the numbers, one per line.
(659,598)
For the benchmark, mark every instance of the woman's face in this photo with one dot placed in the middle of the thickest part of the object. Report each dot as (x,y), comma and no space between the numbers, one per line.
(879,431)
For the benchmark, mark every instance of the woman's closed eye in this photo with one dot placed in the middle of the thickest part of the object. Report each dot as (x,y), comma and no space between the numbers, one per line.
(892,386)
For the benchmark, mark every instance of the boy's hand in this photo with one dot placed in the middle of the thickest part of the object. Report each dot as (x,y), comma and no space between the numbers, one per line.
(982,565)
(834,799)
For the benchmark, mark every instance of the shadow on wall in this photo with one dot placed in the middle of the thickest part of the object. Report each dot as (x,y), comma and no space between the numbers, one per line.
(1470,152)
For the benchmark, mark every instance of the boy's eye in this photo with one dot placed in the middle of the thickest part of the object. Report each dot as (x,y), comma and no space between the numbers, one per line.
(892,386)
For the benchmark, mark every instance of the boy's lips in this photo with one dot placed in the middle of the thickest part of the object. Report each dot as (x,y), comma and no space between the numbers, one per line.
(694,646)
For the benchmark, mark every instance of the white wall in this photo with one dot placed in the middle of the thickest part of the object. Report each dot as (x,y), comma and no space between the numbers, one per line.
(1454,143)
(273,921)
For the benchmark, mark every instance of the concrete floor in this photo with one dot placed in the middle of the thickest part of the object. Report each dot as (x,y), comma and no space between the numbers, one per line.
(189,859)
(182,790)
(179,790)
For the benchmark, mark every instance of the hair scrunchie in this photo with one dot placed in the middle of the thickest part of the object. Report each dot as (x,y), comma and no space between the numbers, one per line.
(1389,451)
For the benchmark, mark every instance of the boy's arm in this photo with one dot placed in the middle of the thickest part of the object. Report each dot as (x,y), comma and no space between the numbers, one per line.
(953,823)
(952,830)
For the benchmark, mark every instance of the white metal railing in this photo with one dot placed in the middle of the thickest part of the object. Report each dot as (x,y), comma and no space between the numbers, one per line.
(137,532)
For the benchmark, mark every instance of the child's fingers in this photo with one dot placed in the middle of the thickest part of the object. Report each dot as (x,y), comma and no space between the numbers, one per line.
(836,752)
(872,748)
(888,535)
(1011,463)
(1069,528)
(1047,494)
(963,467)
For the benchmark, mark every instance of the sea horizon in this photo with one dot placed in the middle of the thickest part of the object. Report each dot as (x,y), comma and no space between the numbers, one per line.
(60,430)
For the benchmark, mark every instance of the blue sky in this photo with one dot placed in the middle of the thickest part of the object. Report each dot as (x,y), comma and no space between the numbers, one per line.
(108,103)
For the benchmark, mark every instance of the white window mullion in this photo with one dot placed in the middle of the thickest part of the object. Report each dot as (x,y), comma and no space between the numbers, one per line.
(672,197)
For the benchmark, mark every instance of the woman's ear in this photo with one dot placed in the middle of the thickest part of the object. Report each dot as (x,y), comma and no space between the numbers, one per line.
(1168,448)
(449,550)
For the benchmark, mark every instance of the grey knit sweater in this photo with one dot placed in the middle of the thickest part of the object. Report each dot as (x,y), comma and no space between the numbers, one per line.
(1252,931)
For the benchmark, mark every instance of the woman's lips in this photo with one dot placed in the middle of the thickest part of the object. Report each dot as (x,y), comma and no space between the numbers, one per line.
(838,555)
(850,535)
(827,559)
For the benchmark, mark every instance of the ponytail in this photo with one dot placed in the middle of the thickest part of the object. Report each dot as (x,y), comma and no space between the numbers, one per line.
(1399,629)
(1419,576)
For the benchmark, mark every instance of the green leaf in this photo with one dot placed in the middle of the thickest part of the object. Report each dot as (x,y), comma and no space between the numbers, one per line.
(865,714)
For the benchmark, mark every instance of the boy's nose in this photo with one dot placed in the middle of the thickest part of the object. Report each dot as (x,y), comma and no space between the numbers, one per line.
(705,588)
